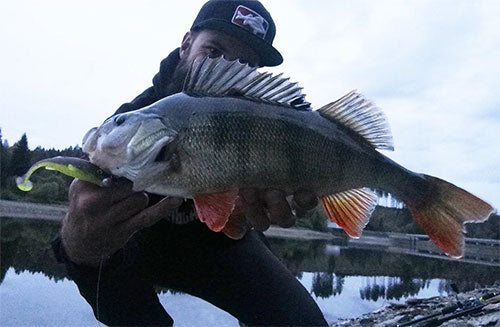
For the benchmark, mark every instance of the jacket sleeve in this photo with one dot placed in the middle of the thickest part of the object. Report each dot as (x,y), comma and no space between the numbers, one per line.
(118,292)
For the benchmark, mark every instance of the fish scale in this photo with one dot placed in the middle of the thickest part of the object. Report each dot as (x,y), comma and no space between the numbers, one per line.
(275,154)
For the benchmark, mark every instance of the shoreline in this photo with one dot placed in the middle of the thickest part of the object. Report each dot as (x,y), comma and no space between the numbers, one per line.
(18,209)
(478,251)
(54,212)
(395,314)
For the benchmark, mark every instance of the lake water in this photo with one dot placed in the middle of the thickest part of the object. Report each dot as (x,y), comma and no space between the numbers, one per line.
(345,282)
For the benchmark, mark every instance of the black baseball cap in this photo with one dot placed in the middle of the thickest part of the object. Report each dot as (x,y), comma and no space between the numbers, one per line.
(246,20)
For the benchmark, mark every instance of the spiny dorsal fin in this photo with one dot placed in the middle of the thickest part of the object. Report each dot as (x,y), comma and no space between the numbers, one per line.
(361,116)
(350,209)
(218,76)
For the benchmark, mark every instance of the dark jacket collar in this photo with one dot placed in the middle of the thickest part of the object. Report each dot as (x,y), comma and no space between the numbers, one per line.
(159,90)
(164,76)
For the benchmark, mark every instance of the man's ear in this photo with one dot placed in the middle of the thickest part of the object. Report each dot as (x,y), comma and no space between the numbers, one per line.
(186,43)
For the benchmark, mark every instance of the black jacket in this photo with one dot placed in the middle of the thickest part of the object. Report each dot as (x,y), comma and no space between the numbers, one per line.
(159,88)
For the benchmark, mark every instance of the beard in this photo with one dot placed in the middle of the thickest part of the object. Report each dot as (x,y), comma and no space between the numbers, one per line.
(176,84)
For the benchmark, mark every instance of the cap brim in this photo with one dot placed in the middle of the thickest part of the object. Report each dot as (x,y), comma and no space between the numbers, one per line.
(268,55)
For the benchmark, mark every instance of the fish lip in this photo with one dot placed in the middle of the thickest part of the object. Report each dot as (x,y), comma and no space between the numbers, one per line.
(89,141)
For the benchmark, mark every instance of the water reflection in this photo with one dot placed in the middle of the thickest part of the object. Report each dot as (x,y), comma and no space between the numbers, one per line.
(345,282)
(325,285)
(404,274)
(393,288)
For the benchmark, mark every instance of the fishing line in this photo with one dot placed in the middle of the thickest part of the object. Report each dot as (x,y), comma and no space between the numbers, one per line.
(97,292)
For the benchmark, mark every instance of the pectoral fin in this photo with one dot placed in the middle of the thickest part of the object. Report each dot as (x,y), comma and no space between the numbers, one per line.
(237,225)
(215,209)
(351,209)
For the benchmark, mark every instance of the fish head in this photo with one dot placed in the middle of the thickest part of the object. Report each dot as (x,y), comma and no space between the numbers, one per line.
(127,143)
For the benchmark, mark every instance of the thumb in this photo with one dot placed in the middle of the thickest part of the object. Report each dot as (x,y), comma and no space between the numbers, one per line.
(153,214)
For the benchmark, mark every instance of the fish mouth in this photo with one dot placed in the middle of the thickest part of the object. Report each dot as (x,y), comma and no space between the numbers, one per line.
(152,147)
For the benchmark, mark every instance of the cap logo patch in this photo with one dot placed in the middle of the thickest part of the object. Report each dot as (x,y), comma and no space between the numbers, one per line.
(251,21)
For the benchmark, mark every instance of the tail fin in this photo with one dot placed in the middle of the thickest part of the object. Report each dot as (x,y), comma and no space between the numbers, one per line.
(444,215)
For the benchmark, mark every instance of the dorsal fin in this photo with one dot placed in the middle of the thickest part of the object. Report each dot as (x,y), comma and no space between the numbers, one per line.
(218,76)
(361,116)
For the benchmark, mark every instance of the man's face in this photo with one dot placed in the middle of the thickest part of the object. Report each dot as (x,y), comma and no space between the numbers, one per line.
(208,43)
(214,44)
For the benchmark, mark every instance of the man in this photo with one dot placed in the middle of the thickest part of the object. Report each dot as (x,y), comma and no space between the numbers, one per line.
(117,246)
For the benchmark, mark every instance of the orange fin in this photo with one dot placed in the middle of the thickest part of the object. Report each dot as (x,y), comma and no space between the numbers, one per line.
(237,225)
(351,209)
(215,209)
(443,214)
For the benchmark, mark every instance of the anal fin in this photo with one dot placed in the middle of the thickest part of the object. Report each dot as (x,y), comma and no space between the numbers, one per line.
(350,209)
(214,209)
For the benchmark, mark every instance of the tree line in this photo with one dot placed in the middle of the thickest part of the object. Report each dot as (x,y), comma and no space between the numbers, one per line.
(15,160)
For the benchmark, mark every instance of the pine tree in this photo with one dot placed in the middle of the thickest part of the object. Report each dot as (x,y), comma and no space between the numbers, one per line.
(4,159)
(20,159)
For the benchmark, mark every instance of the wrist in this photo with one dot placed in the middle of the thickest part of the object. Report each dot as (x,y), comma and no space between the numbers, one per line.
(75,249)
(77,257)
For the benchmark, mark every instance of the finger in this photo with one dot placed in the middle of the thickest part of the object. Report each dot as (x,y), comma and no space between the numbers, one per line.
(152,214)
(278,208)
(128,207)
(86,199)
(289,222)
(91,199)
(120,189)
(78,186)
(236,226)
(305,200)
(254,209)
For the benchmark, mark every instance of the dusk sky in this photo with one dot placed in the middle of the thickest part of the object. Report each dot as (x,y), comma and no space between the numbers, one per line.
(432,66)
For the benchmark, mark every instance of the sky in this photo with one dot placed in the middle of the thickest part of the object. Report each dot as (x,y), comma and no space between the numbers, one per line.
(431,66)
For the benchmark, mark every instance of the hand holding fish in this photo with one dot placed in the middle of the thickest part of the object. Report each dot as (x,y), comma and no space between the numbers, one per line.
(100,220)
(278,209)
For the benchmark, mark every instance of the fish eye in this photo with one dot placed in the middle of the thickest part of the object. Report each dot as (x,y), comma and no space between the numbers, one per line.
(119,120)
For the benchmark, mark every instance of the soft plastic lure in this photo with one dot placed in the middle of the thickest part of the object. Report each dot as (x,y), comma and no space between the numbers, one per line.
(70,166)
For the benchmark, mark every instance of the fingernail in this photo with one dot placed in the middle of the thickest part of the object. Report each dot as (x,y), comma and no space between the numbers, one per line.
(249,195)
(175,201)
(107,182)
